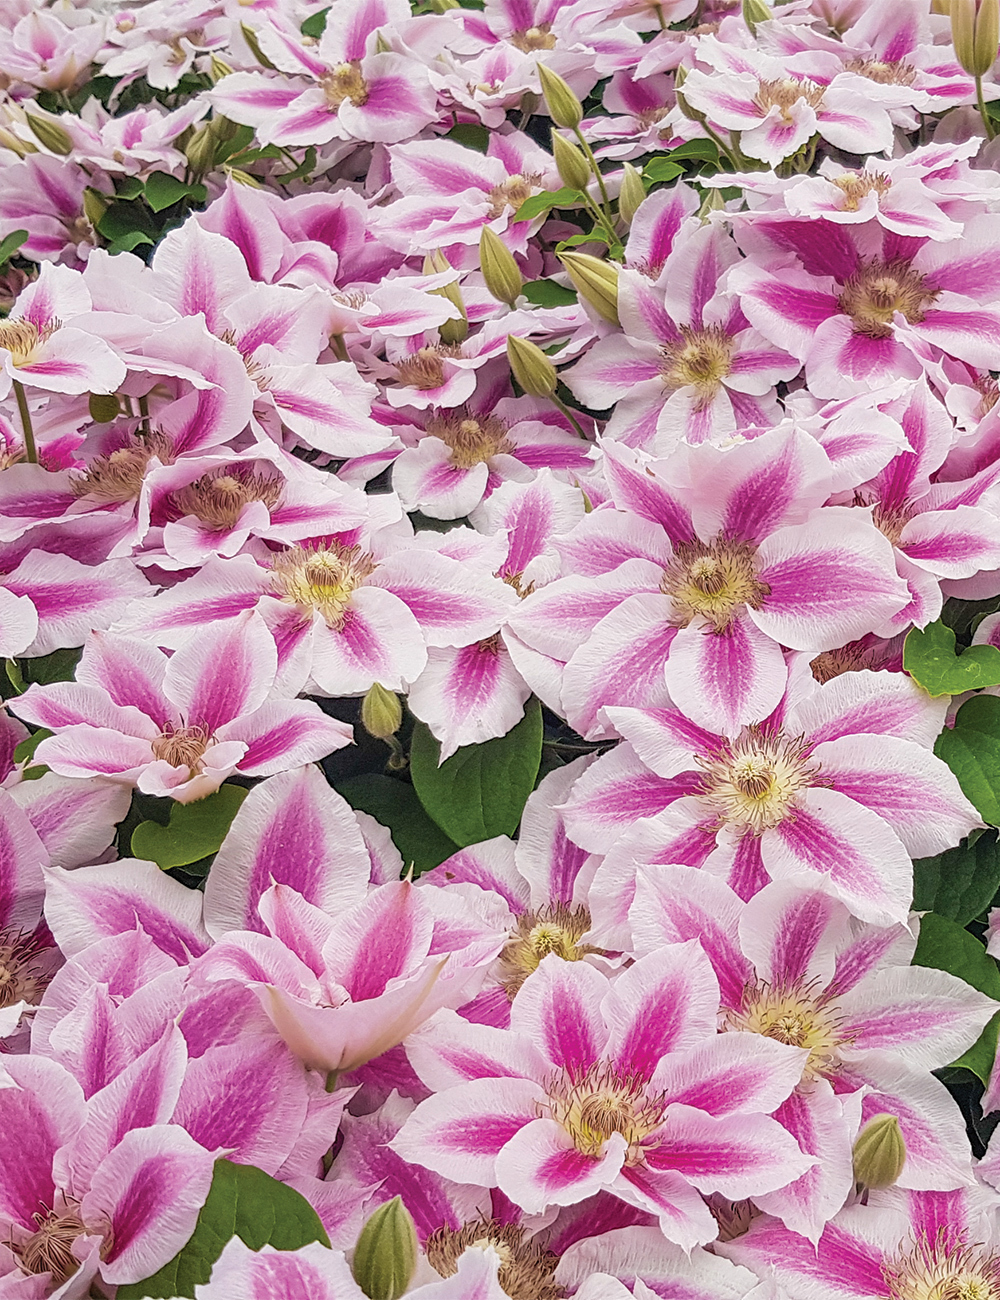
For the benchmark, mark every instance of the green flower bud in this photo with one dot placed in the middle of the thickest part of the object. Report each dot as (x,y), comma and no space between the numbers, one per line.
(200,149)
(104,407)
(631,194)
(442,6)
(754,12)
(241,177)
(879,1152)
(385,1257)
(250,36)
(596,281)
(454,330)
(531,367)
(50,133)
(572,166)
(713,202)
(10,141)
(381,712)
(975,33)
(503,279)
(218,68)
(95,205)
(564,107)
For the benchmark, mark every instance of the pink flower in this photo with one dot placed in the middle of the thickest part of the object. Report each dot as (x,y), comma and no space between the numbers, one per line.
(623,1086)
(837,790)
(178,726)
(696,589)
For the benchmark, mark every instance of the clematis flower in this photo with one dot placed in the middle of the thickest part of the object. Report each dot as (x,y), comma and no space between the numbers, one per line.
(41,348)
(102,1191)
(623,1087)
(178,726)
(838,790)
(865,310)
(873,1024)
(702,585)
(687,367)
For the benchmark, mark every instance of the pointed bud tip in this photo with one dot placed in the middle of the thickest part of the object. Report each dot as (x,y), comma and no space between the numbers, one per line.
(500,270)
(531,367)
(385,1257)
(381,712)
(879,1152)
(564,107)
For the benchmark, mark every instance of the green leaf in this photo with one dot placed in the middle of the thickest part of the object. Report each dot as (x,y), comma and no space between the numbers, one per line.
(702,150)
(539,203)
(473,135)
(546,293)
(944,945)
(972,750)
(163,190)
(59,666)
(964,616)
(237,142)
(129,188)
(25,751)
(960,883)
(243,1202)
(315,24)
(574,241)
(10,244)
(303,169)
(123,220)
(662,169)
(195,829)
(395,804)
(930,659)
(481,790)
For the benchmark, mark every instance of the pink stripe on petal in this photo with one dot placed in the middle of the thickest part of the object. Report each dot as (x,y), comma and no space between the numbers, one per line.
(559,1008)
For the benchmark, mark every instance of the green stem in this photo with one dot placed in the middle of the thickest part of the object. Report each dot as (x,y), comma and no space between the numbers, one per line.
(339,346)
(981,104)
(658,10)
(31,451)
(599,177)
(331,1080)
(560,405)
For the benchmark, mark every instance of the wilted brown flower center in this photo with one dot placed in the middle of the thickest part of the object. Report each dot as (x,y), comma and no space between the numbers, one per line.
(472,440)
(877,290)
(182,746)
(218,498)
(424,369)
(527,1270)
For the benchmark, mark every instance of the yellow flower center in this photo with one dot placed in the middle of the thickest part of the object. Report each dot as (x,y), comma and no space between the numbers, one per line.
(512,193)
(713,580)
(345,82)
(22,338)
(534,38)
(322,578)
(557,929)
(472,441)
(784,94)
(879,289)
(752,782)
(218,498)
(856,186)
(701,358)
(593,1106)
(944,1269)
(795,1014)
(527,1269)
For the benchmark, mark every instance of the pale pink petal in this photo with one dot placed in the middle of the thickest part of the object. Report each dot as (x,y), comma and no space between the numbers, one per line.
(380,641)
(725,680)
(224,672)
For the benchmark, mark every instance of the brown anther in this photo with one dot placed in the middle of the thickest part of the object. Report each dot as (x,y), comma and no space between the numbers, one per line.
(182,746)
(424,369)
(531,39)
(878,290)
(345,82)
(23,977)
(784,94)
(50,1248)
(218,498)
(473,441)
(856,186)
(118,476)
(527,1269)
(892,73)
(512,193)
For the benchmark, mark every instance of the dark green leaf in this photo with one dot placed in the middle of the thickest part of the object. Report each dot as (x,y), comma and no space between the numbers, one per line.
(960,883)
(481,790)
(237,142)
(26,749)
(972,750)
(930,659)
(125,219)
(574,241)
(539,203)
(129,188)
(163,190)
(59,666)
(944,945)
(194,831)
(304,168)
(964,616)
(395,804)
(243,1202)
(470,134)
(700,149)
(546,293)
(315,24)
(10,244)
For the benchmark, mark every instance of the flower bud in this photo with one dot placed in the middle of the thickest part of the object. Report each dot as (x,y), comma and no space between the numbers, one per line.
(10,141)
(50,133)
(564,107)
(503,279)
(104,407)
(454,330)
(975,33)
(631,194)
(754,12)
(218,68)
(241,177)
(385,1257)
(573,168)
(381,712)
(250,36)
(596,281)
(879,1152)
(712,202)
(531,367)
(442,6)
(200,149)
(95,205)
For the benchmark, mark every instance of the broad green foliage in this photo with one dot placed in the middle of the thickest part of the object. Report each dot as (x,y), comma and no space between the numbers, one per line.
(243,1202)
(929,656)
(944,945)
(397,806)
(972,750)
(959,884)
(481,790)
(194,831)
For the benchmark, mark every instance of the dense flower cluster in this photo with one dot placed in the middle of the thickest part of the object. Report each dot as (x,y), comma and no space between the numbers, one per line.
(613,384)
